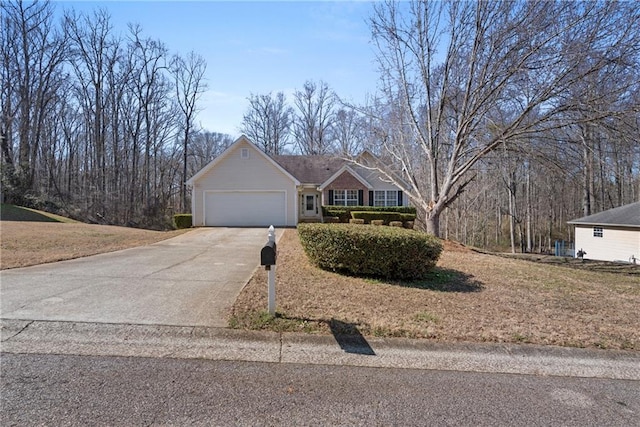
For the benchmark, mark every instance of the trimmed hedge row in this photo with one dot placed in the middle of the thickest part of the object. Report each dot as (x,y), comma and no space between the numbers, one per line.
(368,250)
(182,221)
(387,217)
(344,212)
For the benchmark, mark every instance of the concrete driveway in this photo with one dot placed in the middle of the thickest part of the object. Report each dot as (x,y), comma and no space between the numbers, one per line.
(189,280)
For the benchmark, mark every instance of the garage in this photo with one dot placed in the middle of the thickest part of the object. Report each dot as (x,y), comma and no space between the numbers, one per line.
(245,208)
(243,187)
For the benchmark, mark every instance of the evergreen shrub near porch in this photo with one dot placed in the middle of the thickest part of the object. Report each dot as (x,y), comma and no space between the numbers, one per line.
(344,212)
(368,250)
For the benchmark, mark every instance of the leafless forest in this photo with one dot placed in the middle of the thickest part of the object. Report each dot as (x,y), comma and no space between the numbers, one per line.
(502,120)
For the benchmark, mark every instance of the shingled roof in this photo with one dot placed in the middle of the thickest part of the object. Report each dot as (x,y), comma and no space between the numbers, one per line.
(310,169)
(623,216)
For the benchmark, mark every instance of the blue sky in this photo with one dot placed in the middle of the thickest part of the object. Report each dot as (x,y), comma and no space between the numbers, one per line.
(257,47)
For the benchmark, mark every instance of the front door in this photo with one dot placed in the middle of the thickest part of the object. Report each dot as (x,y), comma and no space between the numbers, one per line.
(310,205)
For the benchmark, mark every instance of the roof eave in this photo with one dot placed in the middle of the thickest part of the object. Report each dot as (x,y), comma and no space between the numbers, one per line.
(603,224)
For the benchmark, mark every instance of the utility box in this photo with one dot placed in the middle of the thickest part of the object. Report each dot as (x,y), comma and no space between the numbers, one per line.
(268,255)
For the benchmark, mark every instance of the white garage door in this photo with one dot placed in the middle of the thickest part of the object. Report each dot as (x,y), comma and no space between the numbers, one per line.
(245,209)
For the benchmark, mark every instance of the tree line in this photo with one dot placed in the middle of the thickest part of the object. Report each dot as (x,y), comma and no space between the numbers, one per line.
(101,126)
(95,124)
(317,123)
(501,120)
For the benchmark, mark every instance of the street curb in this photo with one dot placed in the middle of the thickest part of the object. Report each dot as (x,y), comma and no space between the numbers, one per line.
(193,342)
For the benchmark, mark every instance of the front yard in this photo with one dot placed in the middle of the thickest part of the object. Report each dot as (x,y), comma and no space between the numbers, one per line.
(469,297)
(24,243)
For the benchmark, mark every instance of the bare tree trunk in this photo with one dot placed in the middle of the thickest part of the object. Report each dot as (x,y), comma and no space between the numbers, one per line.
(588,176)
(528,196)
(189,79)
(432,222)
(512,217)
(183,187)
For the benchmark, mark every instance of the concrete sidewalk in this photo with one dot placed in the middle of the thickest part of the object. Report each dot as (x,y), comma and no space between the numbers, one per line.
(46,337)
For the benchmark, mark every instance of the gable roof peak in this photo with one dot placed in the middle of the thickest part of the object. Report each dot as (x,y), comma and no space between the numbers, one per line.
(346,168)
(242,139)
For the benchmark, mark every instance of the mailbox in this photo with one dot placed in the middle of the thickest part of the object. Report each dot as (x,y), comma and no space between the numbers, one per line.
(268,254)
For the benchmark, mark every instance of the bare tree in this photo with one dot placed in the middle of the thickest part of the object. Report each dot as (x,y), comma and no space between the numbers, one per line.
(189,85)
(88,119)
(206,146)
(312,124)
(268,122)
(464,78)
(33,52)
(95,56)
(348,131)
(151,88)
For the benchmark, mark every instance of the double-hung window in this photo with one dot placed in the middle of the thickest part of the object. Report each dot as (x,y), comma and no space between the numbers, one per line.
(345,197)
(385,198)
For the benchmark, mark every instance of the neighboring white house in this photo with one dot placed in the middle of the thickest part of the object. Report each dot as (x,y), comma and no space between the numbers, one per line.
(612,235)
(246,187)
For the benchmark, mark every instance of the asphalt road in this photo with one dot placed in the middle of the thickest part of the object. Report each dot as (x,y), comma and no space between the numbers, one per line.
(191,280)
(97,390)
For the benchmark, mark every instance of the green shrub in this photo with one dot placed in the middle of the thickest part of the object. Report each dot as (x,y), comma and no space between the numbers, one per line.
(387,217)
(404,217)
(331,219)
(369,216)
(344,212)
(182,221)
(388,252)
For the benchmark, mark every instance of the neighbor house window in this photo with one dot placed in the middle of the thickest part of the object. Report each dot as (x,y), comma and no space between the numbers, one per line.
(597,232)
(385,198)
(345,197)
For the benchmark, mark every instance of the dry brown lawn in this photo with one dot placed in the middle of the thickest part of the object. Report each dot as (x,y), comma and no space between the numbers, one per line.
(469,297)
(30,243)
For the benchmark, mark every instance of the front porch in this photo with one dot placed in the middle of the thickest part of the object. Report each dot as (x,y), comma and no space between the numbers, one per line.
(309,205)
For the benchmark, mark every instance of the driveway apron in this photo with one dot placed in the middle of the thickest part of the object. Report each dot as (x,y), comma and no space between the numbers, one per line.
(189,280)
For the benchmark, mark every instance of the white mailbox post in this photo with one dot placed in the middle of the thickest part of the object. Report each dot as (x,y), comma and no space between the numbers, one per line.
(268,259)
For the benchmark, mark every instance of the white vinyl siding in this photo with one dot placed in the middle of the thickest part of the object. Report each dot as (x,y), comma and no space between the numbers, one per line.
(249,175)
(385,198)
(345,197)
(615,244)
